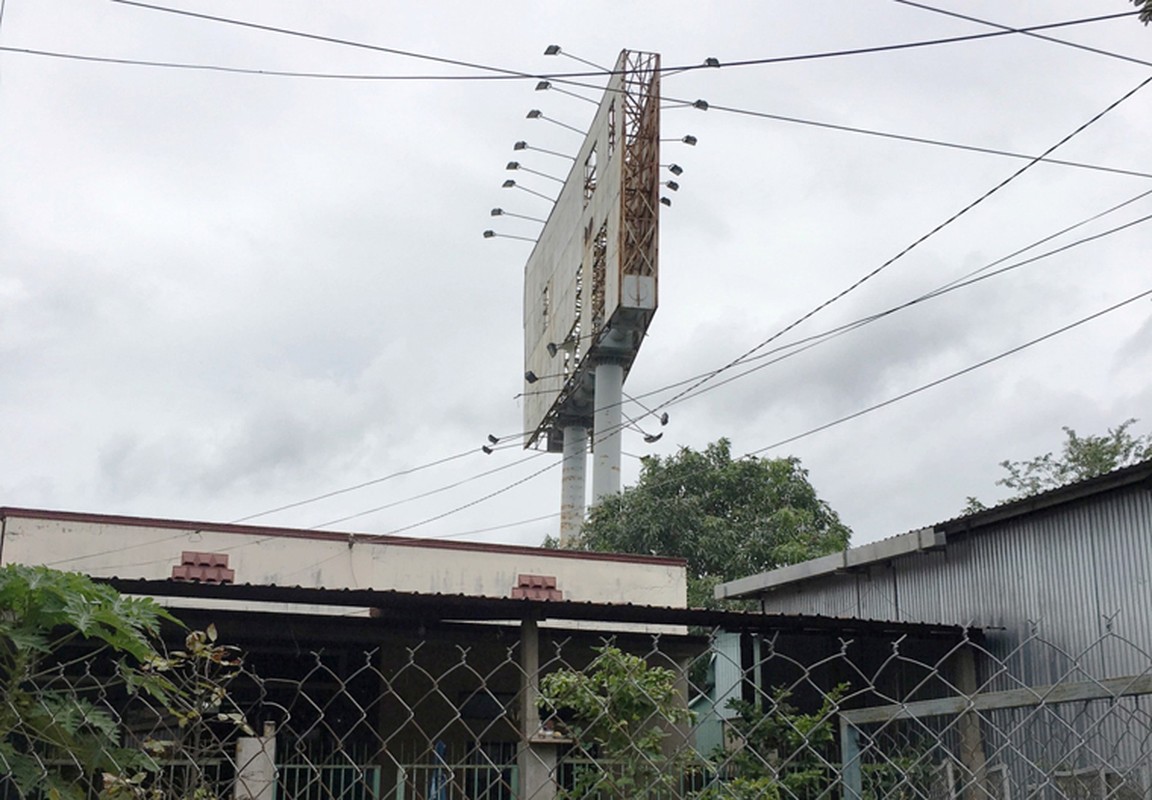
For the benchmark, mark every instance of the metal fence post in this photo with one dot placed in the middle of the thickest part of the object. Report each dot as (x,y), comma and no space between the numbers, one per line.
(851,775)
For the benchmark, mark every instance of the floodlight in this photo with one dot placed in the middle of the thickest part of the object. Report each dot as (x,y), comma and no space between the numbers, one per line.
(499,212)
(652,438)
(701,104)
(545,85)
(711,62)
(675,169)
(487,450)
(666,202)
(672,185)
(554,50)
(664,418)
(522,145)
(511,184)
(493,439)
(537,114)
(689,140)
(515,165)
(551,349)
(530,376)
(491,234)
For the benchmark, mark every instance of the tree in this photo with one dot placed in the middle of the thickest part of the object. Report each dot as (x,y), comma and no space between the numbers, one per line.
(1082,457)
(617,713)
(70,651)
(1145,7)
(728,517)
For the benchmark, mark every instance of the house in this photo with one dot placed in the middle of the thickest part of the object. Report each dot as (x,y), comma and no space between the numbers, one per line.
(1060,584)
(409,669)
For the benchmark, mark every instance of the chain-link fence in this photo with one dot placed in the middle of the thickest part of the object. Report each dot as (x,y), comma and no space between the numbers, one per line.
(497,711)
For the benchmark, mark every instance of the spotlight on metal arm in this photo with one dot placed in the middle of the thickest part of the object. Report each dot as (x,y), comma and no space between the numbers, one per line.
(555,50)
(538,114)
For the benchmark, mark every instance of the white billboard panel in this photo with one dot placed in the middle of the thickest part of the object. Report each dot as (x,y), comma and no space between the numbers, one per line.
(594,267)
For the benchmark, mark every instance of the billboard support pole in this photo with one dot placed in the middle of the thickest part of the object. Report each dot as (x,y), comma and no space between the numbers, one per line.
(607,428)
(572,480)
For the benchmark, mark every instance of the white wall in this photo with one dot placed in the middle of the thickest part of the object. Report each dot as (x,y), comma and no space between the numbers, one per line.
(148,549)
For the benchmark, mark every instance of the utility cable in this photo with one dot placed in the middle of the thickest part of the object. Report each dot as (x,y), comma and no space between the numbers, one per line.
(363,485)
(904,395)
(499,73)
(920,140)
(1027,32)
(431,492)
(957,374)
(467,505)
(795,348)
(800,345)
(961,283)
(909,248)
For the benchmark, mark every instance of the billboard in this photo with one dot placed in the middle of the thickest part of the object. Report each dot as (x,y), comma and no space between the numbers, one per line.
(593,271)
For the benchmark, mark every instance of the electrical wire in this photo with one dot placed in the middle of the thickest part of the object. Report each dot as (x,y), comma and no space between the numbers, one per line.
(345,490)
(897,398)
(458,534)
(916,243)
(471,503)
(1027,32)
(961,283)
(501,73)
(922,140)
(953,375)
(974,276)
(430,492)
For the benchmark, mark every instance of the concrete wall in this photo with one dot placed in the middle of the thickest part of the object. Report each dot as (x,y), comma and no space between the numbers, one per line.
(149,549)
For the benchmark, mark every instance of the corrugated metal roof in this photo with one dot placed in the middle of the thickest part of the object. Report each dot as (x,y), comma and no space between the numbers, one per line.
(459,607)
(935,536)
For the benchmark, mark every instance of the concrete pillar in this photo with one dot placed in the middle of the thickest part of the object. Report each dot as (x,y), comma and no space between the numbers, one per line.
(607,428)
(972,756)
(572,480)
(536,760)
(256,765)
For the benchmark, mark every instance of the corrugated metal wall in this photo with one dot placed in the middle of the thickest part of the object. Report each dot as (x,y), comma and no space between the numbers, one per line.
(1063,578)
(1063,596)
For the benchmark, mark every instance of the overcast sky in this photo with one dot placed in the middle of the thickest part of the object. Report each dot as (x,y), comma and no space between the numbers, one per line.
(224,293)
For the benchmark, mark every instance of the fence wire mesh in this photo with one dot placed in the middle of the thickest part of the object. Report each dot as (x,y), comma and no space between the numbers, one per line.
(506,711)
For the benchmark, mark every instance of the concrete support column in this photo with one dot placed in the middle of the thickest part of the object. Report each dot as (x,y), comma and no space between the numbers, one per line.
(972,755)
(256,765)
(572,480)
(607,428)
(537,759)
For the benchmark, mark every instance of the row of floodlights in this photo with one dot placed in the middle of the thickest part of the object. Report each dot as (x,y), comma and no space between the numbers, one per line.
(535,113)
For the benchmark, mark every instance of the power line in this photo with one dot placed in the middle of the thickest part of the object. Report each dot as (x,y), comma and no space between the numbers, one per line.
(367,483)
(794,348)
(923,238)
(431,492)
(969,279)
(924,387)
(958,373)
(1027,32)
(920,140)
(471,503)
(502,73)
